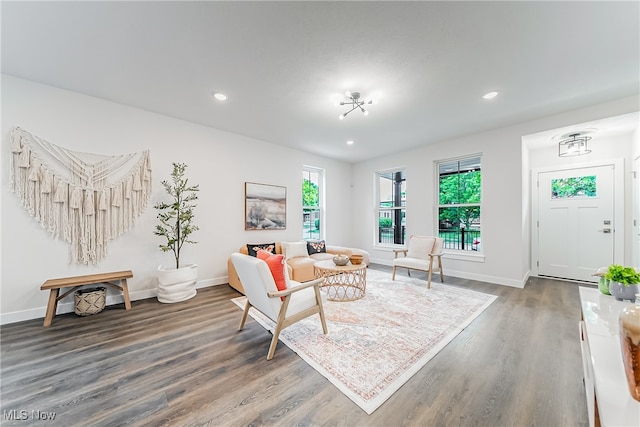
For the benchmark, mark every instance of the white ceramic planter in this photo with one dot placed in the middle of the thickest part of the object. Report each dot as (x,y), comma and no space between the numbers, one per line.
(175,285)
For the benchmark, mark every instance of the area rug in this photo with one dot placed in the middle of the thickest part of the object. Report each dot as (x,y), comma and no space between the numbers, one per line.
(375,344)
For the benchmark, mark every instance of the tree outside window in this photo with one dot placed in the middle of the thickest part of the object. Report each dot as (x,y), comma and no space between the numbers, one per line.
(459,198)
(311,212)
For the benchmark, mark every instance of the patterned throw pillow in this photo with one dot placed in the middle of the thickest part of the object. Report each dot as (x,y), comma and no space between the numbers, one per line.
(277,266)
(253,249)
(316,247)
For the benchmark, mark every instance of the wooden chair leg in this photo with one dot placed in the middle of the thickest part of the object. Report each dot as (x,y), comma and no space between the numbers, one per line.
(280,325)
(274,341)
(441,272)
(321,312)
(430,271)
(247,306)
(409,272)
(393,274)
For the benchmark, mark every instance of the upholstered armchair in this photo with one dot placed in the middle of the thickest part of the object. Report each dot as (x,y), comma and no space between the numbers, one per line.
(285,307)
(420,255)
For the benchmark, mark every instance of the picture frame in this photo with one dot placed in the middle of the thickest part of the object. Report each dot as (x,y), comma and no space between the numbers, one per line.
(265,207)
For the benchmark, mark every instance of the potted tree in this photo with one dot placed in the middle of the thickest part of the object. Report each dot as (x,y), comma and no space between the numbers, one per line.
(623,282)
(177,284)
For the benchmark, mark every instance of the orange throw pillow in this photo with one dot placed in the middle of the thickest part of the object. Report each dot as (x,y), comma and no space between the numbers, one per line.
(276,265)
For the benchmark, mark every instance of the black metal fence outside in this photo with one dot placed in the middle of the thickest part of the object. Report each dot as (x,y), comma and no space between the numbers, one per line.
(387,235)
(461,239)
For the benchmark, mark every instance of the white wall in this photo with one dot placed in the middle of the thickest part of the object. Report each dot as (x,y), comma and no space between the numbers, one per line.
(603,149)
(501,203)
(218,161)
(635,198)
(506,197)
(221,162)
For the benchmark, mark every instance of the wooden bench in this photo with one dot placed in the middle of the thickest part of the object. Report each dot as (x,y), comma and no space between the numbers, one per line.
(54,285)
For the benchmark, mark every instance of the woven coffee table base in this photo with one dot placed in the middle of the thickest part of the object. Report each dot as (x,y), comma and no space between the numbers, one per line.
(347,283)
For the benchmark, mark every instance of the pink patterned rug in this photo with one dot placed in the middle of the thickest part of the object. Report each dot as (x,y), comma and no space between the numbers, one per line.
(377,343)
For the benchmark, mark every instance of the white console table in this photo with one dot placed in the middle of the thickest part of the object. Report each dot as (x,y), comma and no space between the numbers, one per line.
(608,399)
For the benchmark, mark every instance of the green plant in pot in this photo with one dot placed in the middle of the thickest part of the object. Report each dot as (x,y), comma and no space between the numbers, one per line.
(603,282)
(623,282)
(176,226)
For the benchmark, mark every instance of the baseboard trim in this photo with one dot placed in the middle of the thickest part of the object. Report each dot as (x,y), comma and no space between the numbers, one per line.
(496,280)
(67,305)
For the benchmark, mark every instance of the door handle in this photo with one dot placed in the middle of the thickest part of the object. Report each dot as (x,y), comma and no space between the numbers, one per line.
(606,230)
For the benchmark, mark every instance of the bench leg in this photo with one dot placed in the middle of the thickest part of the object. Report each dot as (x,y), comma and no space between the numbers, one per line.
(125,294)
(52,306)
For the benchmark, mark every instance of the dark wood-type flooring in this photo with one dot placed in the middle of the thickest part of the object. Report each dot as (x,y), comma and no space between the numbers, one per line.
(185,364)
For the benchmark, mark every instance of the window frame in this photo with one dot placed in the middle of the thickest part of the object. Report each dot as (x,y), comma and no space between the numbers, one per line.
(476,254)
(377,209)
(320,207)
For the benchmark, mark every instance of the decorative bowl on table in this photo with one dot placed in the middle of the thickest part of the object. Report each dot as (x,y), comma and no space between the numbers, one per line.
(356,259)
(340,260)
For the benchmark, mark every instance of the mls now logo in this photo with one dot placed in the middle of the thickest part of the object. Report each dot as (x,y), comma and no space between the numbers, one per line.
(23,415)
(15,415)
(41,415)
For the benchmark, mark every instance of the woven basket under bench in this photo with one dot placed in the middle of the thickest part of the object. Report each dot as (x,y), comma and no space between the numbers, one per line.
(90,301)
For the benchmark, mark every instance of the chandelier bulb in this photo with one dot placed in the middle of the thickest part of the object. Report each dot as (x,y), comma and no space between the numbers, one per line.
(341,116)
(348,93)
(365,112)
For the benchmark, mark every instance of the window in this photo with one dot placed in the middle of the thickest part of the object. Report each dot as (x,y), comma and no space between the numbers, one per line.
(575,187)
(459,196)
(311,207)
(391,205)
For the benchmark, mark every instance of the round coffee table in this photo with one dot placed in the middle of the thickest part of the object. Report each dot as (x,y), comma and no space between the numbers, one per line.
(342,282)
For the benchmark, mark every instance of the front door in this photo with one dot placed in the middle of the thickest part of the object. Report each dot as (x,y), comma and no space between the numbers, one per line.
(575,222)
(635,200)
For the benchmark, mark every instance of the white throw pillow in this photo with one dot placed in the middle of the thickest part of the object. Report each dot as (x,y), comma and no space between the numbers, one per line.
(420,247)
(294,249)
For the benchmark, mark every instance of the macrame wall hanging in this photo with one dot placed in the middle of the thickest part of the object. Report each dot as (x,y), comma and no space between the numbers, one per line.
(85,199)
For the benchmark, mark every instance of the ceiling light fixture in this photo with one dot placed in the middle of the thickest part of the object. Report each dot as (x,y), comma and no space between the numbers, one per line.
(355,103)
(350,142)
(575,145)
(490,95)
(220,96)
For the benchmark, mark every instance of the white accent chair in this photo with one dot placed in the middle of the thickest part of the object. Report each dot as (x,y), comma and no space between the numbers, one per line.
(300,300)
(419,255)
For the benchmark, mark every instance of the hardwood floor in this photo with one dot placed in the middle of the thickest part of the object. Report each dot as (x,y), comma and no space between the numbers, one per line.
(185,364)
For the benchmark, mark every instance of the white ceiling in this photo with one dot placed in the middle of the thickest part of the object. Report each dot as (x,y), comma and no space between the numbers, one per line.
(283,64)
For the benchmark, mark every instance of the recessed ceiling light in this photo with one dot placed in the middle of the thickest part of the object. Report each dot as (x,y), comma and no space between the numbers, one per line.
(220,96)
(490,95)
(350,142)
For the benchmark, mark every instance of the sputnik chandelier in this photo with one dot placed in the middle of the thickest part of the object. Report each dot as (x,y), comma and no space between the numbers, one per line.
(355,103)
(575,145)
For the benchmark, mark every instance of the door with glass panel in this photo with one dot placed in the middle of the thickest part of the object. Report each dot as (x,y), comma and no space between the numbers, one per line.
(575,222)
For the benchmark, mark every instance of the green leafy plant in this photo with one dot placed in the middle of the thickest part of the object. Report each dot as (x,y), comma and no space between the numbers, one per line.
(625,275)
(385,222)
(176,217)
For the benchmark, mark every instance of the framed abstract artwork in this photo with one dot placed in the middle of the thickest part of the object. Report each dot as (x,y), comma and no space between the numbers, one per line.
(265,207)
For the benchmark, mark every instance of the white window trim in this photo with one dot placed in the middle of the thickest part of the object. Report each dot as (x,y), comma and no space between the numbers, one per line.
(321,195)
(376,209)
(457,254)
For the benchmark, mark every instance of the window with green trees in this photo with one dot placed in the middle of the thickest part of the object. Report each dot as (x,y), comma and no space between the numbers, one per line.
(573,187)
(459,199)
(311,207)
(391,192)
